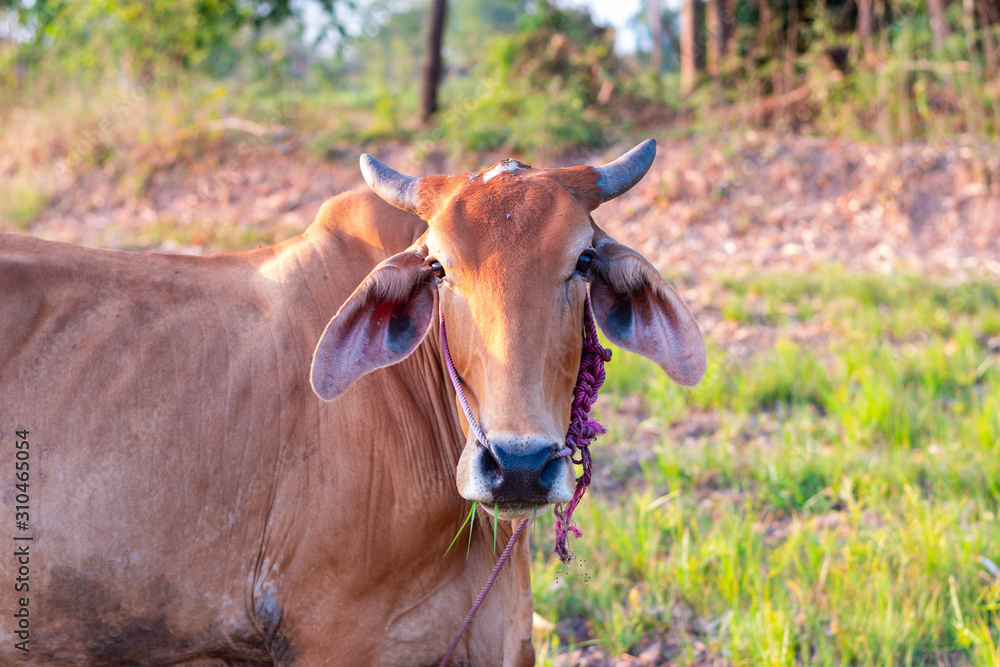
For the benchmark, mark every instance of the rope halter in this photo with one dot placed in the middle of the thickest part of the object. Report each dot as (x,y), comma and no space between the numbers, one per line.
(582,429)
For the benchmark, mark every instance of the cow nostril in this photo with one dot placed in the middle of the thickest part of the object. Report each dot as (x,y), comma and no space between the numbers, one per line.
(513,473)
(490,467)
(550,473)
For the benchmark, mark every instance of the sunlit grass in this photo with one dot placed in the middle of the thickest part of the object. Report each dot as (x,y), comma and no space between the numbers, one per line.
(21,201)
(844,510)
(468,521)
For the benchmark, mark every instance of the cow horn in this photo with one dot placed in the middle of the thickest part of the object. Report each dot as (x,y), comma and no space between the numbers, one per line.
(616,178)
(389,184)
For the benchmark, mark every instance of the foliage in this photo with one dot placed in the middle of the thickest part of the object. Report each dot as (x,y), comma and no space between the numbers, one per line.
(21,201)
(811,68)
(552,85)
(532,79)
(144,38)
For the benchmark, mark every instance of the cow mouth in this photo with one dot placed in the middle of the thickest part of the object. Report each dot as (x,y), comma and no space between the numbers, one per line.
(508,511)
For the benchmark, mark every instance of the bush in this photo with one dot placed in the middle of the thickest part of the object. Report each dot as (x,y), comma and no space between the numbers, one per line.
(552,85)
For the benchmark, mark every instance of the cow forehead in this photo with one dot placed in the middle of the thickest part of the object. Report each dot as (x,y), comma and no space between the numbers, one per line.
(511,210)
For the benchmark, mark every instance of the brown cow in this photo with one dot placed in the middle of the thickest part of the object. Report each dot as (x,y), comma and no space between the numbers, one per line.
(190,499)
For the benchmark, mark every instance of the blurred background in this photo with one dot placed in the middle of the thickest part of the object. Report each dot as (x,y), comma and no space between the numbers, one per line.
(826,197)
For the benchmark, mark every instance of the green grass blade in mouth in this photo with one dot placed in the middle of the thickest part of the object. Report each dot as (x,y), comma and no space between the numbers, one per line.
(462,527)
(496,519)
(468,547)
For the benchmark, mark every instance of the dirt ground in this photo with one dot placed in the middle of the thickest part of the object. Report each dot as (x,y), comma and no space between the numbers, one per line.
(727,205)
(722,205)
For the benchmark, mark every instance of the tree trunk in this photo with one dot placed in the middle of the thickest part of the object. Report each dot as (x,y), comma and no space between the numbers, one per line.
(432,62)
(656,32)
(866,25)
(719,22)
(986,19)
(969,27)
(692,53)
(764,24)
(939,26)
(973,106)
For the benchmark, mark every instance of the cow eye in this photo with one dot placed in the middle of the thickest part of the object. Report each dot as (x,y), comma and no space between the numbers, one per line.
(583,264)
(437,269)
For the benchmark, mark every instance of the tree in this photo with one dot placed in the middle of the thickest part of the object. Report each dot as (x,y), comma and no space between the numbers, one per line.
(692,53)
(432,61)
(656,32)
(720,23)
(180,34)
(939,25)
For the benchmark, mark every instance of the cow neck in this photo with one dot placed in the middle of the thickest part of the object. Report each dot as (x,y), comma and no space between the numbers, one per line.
(486,589)
(582,429)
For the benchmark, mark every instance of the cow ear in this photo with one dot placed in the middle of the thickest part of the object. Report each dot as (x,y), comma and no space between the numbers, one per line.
(381,323)
(638,311)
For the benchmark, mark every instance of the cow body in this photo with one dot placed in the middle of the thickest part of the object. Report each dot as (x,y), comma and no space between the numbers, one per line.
(208,483)
(192,500)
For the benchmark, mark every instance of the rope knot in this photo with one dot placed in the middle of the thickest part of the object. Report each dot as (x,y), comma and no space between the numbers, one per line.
(582,429)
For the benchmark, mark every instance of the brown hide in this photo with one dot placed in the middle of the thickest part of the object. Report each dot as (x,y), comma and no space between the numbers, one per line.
(191,499)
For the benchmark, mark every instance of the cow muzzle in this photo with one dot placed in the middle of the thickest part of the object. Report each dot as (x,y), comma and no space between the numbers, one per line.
(520,475)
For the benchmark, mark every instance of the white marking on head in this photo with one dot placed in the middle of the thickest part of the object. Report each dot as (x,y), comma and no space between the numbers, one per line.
(506,165)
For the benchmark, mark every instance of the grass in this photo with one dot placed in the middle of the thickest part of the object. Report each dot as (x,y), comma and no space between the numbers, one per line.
(21,201)
(843,510)
(468,521)
(172,235)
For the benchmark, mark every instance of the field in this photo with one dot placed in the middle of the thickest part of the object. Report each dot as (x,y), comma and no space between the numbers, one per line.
(828,499)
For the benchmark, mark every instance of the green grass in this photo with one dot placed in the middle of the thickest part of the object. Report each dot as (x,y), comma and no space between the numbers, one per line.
(468,521)
(845,509)
(217,237)
(21,202)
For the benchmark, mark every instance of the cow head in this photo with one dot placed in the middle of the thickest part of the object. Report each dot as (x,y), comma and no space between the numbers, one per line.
(511,252)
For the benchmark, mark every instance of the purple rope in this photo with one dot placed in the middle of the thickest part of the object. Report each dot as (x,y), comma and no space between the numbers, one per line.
(486,589)
(582,429)
(480,436)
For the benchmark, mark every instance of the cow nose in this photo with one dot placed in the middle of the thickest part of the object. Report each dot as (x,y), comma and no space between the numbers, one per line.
(520,471)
